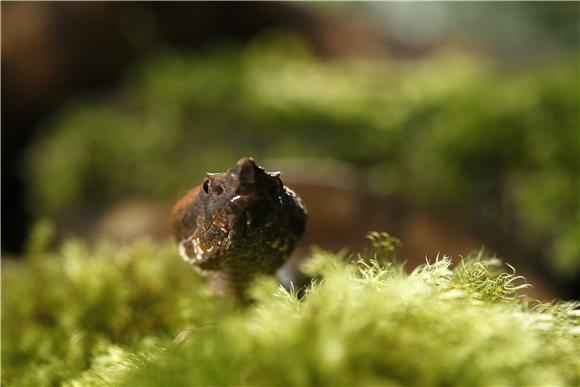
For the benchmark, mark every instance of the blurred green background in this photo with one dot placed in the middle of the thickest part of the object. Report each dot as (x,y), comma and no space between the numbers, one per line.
(452,126)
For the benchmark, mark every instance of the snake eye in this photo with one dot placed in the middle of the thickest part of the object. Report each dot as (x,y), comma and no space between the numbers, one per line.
(205,186)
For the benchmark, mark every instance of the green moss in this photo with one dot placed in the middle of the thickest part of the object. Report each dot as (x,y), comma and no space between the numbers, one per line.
(108,316)
(62,311)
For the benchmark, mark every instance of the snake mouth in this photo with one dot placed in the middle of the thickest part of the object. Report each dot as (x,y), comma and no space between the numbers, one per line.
(242,205)
(248,210)
(241,202)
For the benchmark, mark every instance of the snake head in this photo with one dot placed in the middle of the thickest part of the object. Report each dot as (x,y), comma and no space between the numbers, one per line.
(244,216)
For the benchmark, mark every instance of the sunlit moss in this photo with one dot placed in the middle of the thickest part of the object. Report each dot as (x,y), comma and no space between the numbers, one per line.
(137,315)
(61,310)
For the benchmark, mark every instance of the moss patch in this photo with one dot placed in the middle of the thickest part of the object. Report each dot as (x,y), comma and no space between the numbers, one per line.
(104,315)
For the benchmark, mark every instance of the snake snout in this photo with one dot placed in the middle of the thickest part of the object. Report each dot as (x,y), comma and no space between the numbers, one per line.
(241,202)
(249,208)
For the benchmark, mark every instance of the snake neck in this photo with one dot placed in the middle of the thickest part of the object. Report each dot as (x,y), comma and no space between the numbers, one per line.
(231,283)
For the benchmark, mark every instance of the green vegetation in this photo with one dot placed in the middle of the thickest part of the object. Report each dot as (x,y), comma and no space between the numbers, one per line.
(451,131)
(105,315)
(496,145)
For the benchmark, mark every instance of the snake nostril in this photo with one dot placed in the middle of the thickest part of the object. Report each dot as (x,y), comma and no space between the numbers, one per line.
(218,189)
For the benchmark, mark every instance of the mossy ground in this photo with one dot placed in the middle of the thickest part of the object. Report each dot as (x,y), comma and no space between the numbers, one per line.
(107,315)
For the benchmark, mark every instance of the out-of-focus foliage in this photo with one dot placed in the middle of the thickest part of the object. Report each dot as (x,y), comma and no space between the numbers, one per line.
(455,131)
(105,315)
